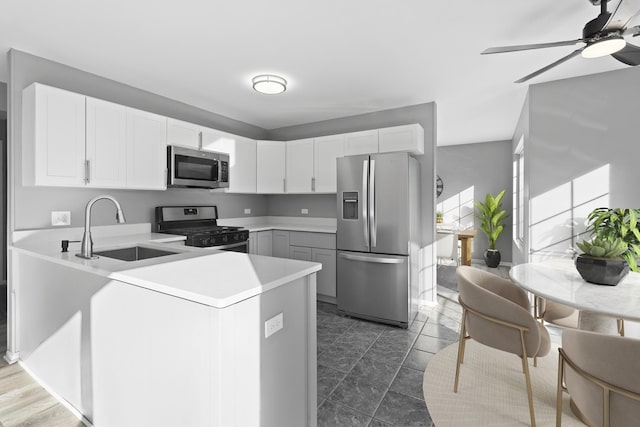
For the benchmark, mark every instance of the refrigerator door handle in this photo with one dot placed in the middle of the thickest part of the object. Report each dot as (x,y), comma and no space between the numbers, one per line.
(374,259)
(365,201)
(372,204)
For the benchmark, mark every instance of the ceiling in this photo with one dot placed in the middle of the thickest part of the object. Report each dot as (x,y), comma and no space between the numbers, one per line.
(341,57)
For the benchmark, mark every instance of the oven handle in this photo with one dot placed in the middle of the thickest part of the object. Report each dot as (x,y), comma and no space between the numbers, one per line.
(231,246)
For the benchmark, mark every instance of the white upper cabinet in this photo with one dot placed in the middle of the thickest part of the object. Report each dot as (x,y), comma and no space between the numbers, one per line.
(408,138)
(325,152)
(106,143)
(299,166)
(271,167)
(146,150)
(242,158)
(53,135)
(364,142)
(183,133)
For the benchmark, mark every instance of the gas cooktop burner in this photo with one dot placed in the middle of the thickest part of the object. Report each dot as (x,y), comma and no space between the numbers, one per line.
(199,225)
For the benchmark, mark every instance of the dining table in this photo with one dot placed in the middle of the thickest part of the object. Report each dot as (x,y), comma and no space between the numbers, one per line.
(465,236)
(600,305)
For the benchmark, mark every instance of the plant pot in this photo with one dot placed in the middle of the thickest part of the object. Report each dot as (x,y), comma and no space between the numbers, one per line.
(492,258)
(438,220)
(602,271)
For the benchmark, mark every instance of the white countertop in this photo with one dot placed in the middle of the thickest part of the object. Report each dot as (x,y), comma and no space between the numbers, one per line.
(560,281)
(207,276)
(308,224)
(307,228)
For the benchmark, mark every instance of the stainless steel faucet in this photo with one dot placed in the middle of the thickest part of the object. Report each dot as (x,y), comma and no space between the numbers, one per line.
(86,250)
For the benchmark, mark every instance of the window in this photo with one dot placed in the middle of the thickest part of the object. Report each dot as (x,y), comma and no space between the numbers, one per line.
(518,193)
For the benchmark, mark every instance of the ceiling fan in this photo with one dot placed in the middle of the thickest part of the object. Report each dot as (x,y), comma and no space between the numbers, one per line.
(604,35)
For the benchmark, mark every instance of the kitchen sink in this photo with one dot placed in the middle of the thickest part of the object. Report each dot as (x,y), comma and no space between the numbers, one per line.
(134,253)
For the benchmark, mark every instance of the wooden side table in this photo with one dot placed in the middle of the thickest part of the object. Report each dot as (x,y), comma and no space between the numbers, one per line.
(465,237)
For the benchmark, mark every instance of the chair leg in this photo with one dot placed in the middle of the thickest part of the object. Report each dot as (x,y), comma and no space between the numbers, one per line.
(535,361)
(559,392)
(525,368)
(620,327)
(460,349)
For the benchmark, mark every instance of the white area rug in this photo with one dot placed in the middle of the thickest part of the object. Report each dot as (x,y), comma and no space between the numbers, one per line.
(492,389)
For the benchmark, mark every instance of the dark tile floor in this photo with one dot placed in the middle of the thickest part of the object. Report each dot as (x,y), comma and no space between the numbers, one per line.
(371,374)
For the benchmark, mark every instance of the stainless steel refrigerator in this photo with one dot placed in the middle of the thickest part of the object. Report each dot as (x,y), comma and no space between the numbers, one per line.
(378,235)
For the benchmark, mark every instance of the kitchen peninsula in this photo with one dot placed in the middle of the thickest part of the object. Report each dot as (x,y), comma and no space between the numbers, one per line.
(193,337)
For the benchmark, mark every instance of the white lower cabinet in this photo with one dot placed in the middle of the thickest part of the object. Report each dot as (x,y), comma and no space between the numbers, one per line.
(326,278)
(280,243)
(300,253)
(261,242)
(317,247)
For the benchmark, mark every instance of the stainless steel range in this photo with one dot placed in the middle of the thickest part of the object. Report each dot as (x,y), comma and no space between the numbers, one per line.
(200,225)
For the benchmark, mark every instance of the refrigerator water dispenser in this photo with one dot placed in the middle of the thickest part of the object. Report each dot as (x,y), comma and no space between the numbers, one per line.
(350,205)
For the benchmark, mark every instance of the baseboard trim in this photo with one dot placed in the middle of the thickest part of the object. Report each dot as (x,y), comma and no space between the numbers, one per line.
(11,357)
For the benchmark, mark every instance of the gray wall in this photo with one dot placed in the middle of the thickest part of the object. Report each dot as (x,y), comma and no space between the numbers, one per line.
(425,114)
(32,205)
(577,126)
(487,168)
(319,205)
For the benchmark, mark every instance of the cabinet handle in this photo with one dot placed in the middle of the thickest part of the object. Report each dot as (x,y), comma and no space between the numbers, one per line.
(313,184)
(284,185)
(87,171)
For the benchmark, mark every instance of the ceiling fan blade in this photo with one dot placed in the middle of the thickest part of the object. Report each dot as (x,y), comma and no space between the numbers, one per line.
(629,55)
(625,11)
(632,31)
(550,66)
(528,46)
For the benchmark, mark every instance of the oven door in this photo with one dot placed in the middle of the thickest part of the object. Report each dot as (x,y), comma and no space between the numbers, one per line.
(234,247)
(192,168)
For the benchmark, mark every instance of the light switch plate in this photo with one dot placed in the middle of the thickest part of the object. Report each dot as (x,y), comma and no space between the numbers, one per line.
(304,211)
(247,211)
(60,218)
(273,325)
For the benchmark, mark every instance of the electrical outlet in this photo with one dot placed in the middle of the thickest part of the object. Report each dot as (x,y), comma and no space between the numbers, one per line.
(304,211)
(60,218)
(247,211)
(273,325)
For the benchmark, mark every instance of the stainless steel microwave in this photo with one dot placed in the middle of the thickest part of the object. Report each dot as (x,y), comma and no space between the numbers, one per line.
(188,167)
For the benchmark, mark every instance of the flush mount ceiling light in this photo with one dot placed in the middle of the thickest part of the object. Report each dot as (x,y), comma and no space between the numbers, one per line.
(604,47)
(269,84)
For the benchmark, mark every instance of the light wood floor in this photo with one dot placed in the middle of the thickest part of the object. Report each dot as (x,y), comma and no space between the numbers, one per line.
(23,402)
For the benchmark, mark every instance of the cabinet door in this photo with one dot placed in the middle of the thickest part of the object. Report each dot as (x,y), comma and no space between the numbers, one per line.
(301,253)
(365,142)
(265,243)
(325,152)
(326,278)
(146,150)
(408,138)
(281,244)
(299,166)
(253,243)
(242,158)
(53,137)
(106,144)
(270,167)
(183,133)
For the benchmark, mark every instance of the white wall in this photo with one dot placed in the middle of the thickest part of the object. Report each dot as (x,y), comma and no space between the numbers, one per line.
(469,172)
(582,153)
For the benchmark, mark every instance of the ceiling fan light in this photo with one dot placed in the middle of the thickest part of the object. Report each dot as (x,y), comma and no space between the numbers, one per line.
(603,47)
(269,84)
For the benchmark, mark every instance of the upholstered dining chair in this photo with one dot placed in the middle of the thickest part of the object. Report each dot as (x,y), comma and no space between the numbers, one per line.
(601,373)
(495,312)
(562,315)
(447,247)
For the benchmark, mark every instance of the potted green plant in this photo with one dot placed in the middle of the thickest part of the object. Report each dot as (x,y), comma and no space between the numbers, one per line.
(608,223)
(601,260)
(492,218)
(438,217)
